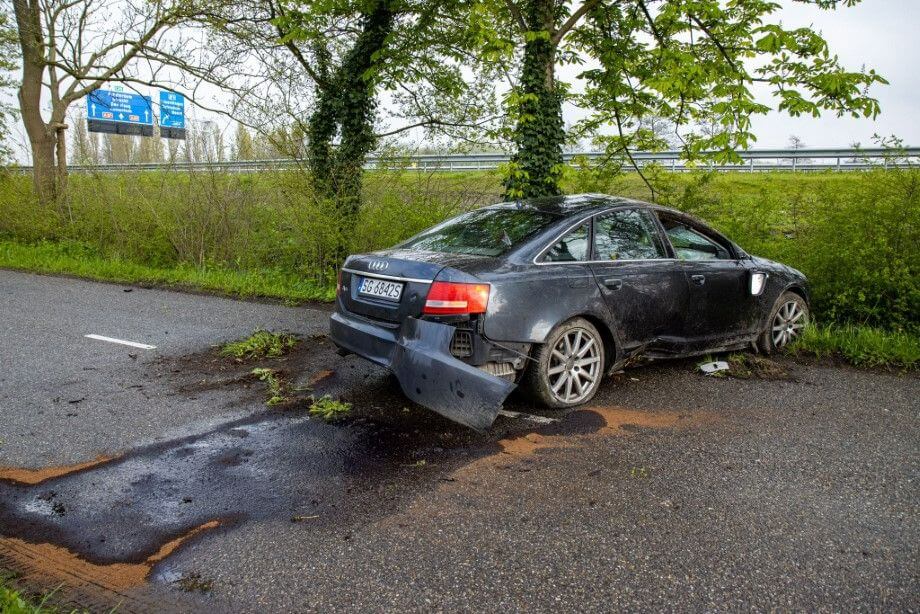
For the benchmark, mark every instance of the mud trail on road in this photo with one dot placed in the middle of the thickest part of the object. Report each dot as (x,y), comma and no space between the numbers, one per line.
(103,526)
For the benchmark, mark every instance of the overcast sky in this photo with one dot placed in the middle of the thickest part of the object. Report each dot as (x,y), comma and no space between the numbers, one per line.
(880,34)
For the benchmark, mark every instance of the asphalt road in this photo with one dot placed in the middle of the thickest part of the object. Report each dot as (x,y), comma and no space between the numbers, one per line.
(793,489)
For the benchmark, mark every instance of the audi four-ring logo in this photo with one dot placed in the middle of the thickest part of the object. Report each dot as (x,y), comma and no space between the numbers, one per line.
(378,265)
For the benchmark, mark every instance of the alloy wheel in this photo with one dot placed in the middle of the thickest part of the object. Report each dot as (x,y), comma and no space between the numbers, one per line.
(574,365)
(788,323)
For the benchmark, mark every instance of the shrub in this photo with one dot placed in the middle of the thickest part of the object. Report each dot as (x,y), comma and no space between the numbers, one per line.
(854,234)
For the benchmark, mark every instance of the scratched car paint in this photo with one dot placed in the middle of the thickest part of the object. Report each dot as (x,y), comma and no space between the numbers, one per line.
(553,294)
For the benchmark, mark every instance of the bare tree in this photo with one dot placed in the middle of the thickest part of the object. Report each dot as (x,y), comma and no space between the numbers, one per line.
(8,56)
(70,48)
(149,149)
(118,148)
(243,148)
(84,145)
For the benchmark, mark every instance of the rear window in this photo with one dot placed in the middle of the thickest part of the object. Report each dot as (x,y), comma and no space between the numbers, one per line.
(484,232)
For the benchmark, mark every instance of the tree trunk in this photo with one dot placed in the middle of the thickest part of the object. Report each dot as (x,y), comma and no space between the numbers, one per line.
(536,166)
(61,154)
(43,171)
(43,138)
(345,108)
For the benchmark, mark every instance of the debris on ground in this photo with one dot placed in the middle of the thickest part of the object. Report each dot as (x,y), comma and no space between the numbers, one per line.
(320,376)
(277,386)
(194,583)
(747,366)
(744,366)
(529,417)
(714,367)
(260,344)
(329,409)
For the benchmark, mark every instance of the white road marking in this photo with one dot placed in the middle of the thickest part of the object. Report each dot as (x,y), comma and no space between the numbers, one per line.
(133,344)
(531,417)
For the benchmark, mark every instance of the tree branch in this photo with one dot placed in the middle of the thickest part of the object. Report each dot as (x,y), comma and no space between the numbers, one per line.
(616,113)
(717,43)
(294,49)
(436,122)
(651,24)
(517,15)
(572,21)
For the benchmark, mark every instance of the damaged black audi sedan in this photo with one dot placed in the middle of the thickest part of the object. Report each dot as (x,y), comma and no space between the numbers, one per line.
(553,294)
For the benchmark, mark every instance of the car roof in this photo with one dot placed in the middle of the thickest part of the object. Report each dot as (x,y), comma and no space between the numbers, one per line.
(573,204)
(588,204)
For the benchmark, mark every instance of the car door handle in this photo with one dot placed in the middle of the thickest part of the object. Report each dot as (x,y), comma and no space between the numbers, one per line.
(614,283)
(698,279)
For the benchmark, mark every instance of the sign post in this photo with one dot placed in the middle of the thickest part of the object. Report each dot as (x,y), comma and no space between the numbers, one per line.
(172,115)
(119,112)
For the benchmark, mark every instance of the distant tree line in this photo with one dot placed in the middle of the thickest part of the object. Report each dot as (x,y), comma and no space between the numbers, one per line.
(204,142)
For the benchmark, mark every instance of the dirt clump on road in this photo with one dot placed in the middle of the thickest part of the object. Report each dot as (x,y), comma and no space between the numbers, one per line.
(588,422)
(64,565)
(31,477)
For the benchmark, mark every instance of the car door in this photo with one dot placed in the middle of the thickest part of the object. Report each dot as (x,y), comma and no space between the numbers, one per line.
(643,286)
(720,301)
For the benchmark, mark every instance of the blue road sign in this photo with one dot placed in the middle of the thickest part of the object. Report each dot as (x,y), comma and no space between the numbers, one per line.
(120,107)
(172,110)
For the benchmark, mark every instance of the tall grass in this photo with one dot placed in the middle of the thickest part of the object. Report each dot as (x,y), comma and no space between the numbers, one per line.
(854,234)
(861,345)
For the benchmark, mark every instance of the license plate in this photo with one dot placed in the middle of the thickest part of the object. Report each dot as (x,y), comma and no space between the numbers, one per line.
(380,288)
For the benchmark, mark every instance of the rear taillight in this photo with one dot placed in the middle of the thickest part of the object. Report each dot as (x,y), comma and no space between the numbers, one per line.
(448,298)
(338,282)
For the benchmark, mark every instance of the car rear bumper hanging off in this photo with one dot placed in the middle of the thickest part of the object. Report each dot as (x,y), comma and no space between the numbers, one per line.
(418,353)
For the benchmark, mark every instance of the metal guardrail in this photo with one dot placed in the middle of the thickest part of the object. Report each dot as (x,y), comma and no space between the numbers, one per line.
(751,161)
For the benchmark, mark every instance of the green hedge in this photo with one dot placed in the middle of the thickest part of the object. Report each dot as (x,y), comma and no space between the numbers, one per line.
(854,234)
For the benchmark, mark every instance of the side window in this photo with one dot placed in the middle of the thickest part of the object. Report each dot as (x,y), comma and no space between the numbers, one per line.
(573,247)
(626,235)
(690,244)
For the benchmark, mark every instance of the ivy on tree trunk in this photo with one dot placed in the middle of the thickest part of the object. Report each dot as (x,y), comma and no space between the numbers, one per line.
(536,165)
(341,127)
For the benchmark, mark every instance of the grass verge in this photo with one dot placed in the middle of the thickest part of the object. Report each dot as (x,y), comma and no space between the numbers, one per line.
(59,258)
(862,346)
(858,345)
(13,601)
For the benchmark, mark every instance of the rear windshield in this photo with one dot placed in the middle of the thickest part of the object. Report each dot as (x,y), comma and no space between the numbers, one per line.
(484,232)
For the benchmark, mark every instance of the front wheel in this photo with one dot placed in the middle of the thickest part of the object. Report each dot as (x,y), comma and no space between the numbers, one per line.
(788,319)
(568,368)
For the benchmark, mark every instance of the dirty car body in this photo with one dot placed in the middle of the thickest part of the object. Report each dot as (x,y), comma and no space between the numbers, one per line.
(458,311)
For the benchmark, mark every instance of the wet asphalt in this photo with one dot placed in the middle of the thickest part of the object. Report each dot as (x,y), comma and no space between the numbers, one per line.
(671,491)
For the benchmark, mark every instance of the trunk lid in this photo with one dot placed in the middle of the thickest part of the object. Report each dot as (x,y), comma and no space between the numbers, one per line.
(411,271)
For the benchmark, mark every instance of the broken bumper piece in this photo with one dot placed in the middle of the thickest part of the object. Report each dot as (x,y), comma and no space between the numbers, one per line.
(418,353)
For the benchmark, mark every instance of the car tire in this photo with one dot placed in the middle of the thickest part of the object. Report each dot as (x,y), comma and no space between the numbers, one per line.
(568,368)
(788,318)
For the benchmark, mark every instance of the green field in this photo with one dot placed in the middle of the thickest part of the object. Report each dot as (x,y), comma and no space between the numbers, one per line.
(854,234)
